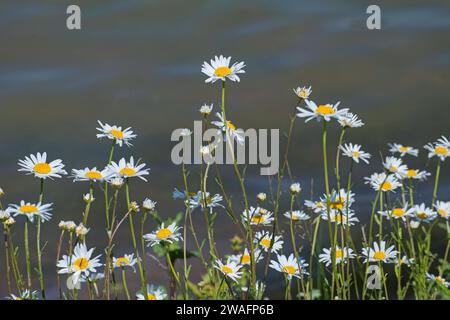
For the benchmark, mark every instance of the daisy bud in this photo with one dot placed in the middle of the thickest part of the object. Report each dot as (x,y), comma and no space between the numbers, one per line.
(4,216)
(88,198)
(134,206)
(81,230)
(295,188)
(149,205)
(62,225)
(261,196)
(205,109)
(10,221)
(70,226)
(2,193)
(415,224)
(185,132)
(116,182)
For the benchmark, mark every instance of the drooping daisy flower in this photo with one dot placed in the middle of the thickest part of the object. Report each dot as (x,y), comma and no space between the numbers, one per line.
(296,215)
(303,92)
(295,188)
(4,215)
(219,69)
(229,128)
(398,212)
(204,199)
(379,253)
(382,181)
(31,210)
(424,214)
(257,217)
(149,205)
(403,150)
(127,260)
(316,206)
(319,112)
(354,151)
(245,259)
(38,165)
(350,120)
(87,174)
(153,293)
(80,264)
(125,169)
(264,239)
(340,217)
(416,174)
(341,254)
(168,234)
(289,266)
(67,225)
(438,279)
(229,269)
(206,109)
(115,133)
(394,165)
(440,149)
(443,209)
(81,230)
(24,295)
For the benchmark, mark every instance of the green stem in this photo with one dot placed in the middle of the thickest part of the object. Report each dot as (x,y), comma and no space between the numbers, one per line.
(436,182)
(124,280)
(38,243)
(111,153)
(27,256)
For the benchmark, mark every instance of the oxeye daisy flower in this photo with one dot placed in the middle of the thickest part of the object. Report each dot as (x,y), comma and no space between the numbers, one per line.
(264,239)
(382,181)
(296,215)
(404,261)
(229,269)
(295,188)
(168,234)
(403,150)
(424,214)
(229,128)
(440,149)
(115,133)
(354,151)
(350,120)
(80,264)
(87,174)
(338,200)
(319,112)
(219,69)
(149,205)
(341,254)
(4,215)
(38,165)
(81,230)
(289,266)
(153,293)
(258,216)
(31,210)
(206,109)
(443,209)
(416,174)
(261,196)
(303,92)
(24,295)
(379,253)
(204,199)
(394,165)
(127,260)
(316,206)
(438,279)
(129,169)
(398,212)
(245,258)
(340,217)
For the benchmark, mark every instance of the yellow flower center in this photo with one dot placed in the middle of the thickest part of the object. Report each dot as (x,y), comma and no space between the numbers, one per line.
(223,72)
(379,255)
(398,212)
(422,215)
(257,218)
(266,242)
(231,125)
(442,213)
(151,296)
(116,133)
(289,269)
(226,269)
(339,218)
(127,172)
(42,168)
(403,149)
(122,261)
(245,259)
(337,205)
(163,233)
(441,150)
(386,186)
(356,154)
(93,175)
(28,208)
(440,280)
(325,109)
(263,211)
(80,264)
(411,173)
(303,94)
(339,254)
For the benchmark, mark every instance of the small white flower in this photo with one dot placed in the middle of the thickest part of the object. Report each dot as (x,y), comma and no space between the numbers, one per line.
(394,165)
(127,260)
(398,212)
(296,215)
(88,198)
(38,165)
(261,196)
(245,258)
(81,230)
(340,217)
(443,209)
(219,69)
(149,205)
(153,293)
(379,253)
(206,109)
(31,210)
(116,182)
(264,239)
(2,193)
(439,149)
(424,214)
(229,129)
(382,181)
(129,169)
(354,151)
(134,207)
(185,132)
(115,133)
(295,188)
(25,295)
(303,92)
(204,199)
(403,150)
(350,120)
(230,269)
(168,234)
(414,224)
(87,174)
(341,254)
(404,261)
(438,279)
(319,112)
(316,206)
(4,215)
(289,266)
(10,221)
(416,174)
(258,216)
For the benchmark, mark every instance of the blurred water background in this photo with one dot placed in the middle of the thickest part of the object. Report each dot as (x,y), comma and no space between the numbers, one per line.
(137,63)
